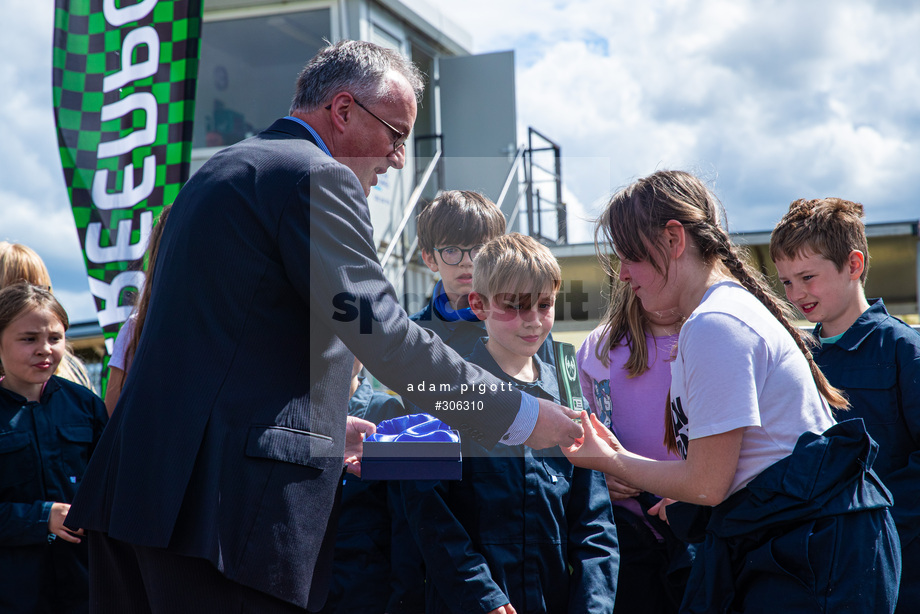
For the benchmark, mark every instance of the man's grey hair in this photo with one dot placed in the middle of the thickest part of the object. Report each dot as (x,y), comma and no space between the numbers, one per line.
(358,67)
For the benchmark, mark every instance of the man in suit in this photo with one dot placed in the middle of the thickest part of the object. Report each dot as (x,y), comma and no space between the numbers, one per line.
(214,484)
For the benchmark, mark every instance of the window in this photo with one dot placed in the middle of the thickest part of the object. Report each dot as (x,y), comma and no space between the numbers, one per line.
(248,69)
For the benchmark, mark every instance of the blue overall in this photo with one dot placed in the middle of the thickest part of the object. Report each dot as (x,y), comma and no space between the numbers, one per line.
(44,449)
(461,331)
(522,525)
(877,363)
(811,533)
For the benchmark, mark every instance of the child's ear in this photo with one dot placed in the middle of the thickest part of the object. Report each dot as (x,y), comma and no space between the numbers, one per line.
(856,263)
(676,237)
(478,305)
(428,258)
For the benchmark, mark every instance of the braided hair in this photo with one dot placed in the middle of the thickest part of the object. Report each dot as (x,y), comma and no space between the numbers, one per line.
(635,217)
(757,286)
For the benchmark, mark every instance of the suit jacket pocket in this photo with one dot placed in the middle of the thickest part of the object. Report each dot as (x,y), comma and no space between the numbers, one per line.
(292,446)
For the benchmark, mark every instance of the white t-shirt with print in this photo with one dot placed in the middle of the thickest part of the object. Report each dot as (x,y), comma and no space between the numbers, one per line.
(737,367)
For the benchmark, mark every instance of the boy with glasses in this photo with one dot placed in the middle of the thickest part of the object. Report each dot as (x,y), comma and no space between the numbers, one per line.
(451,231)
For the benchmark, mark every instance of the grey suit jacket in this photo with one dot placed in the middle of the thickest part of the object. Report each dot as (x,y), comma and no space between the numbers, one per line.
(228,439)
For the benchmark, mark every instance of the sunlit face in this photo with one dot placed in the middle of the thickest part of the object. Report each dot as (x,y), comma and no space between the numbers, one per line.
(31,348)
(821,292)
(648,284)
(368,151)
(518,325)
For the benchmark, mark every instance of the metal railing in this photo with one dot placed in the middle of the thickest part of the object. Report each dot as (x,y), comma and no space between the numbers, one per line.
(512,173)
(537,204)
(410,207)
(434,169)
(526,160)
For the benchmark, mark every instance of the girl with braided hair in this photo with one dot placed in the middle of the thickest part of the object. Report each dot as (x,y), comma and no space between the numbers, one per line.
(796,519)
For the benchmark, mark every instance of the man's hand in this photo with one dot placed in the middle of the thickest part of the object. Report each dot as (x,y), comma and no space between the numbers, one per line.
(355,431)
(554,427)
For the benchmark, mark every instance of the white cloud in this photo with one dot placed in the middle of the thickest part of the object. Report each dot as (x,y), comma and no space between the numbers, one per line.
(773,100)
(34,206)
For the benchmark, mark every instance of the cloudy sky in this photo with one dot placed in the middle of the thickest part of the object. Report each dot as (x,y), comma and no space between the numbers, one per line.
(767,100)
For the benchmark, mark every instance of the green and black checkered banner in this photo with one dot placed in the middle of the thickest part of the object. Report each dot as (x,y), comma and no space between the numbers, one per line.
(124,101)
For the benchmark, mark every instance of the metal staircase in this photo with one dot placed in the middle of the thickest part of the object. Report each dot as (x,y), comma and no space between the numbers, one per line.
(539,194)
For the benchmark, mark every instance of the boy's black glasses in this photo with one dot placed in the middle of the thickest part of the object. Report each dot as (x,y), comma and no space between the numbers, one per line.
(453,255)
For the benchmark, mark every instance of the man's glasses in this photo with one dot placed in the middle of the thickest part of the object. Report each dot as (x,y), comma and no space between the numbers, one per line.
(400,136)
(453,255)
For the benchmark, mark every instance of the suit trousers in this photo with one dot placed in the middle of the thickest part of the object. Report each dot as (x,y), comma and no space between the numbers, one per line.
(130,579)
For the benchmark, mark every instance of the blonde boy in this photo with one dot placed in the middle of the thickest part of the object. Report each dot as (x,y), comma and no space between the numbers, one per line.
(514,293)
(523,531)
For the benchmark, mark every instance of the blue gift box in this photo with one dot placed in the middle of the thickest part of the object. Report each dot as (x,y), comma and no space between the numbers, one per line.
(414,447)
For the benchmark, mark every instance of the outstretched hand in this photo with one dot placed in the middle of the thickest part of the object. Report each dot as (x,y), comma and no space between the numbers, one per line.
(554,427)
(356,430)
(596,448)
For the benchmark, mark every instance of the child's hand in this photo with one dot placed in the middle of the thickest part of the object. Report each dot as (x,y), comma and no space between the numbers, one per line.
(505,609)
(596,448)
(56,523)
(606,434)
(619,490)
(355,431)
(660,508)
